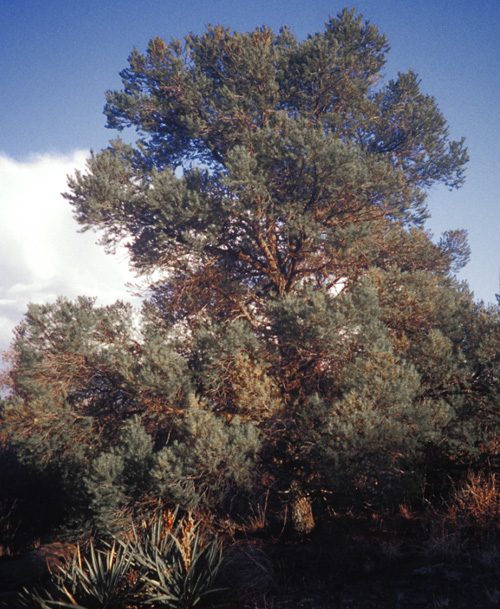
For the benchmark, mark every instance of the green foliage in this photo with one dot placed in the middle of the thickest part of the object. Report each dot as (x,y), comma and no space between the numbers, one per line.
(117,477)
(170,563)
(103,580)
(212,462)
(303,333)
(179,565)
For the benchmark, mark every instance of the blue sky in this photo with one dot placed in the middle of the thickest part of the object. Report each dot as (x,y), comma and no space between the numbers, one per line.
(58,57)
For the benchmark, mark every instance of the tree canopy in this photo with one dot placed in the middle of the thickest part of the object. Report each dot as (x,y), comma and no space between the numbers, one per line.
(301,331)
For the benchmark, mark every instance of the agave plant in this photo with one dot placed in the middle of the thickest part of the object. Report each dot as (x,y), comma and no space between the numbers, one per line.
(171,563)
(105,580)
(178,564)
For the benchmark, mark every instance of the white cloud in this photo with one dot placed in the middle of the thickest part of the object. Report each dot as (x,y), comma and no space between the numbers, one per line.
(42,255)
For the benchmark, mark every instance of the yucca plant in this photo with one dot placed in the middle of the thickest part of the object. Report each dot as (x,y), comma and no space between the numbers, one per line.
(178,564)
(105,580)
(170,563)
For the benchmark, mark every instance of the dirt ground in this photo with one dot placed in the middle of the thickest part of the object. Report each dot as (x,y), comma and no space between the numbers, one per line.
(405,584)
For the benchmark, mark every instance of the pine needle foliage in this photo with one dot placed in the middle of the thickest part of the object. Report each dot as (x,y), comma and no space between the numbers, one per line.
(303,336)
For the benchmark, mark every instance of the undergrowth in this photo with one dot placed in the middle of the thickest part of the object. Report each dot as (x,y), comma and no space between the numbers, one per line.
(186,561)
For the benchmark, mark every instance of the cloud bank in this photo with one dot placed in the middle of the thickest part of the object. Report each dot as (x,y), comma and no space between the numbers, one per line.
(42,255)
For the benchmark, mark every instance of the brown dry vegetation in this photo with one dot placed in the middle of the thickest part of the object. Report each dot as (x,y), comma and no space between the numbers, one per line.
(432,556)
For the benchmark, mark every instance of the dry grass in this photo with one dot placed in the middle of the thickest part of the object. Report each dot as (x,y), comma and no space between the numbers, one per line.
(468,521)
(471,520)
(475,505)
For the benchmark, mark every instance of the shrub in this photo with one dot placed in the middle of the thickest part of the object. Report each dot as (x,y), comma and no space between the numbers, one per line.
(178,563)
(169,563)
(104,580)
(474,509)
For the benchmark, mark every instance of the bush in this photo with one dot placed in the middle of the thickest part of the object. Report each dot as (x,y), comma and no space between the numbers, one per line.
(474,507)
(178,564)
(169,562)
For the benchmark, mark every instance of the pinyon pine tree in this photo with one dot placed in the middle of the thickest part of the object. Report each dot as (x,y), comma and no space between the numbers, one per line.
(302,335)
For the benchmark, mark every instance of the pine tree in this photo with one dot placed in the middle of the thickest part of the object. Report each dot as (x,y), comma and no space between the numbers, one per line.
(303,332)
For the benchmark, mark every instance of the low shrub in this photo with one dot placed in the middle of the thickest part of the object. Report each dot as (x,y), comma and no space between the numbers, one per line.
(177,562)
(169,562)
(474,507)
